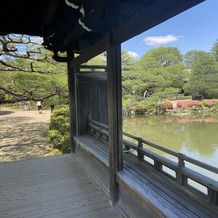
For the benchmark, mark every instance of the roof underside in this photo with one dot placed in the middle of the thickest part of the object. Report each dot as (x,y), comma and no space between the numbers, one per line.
(78,24)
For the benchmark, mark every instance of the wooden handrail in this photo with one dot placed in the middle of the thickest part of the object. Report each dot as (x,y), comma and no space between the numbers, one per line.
(176,154)
(182,172)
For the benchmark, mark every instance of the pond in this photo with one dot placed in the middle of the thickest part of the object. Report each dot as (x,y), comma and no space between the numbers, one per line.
(195,137)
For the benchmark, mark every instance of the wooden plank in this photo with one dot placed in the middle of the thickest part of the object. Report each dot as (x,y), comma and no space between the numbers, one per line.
(93,148)
(168,189)
(151,200)
(57,186)
(131,205)
(96,168)
(174,200)
(92,99)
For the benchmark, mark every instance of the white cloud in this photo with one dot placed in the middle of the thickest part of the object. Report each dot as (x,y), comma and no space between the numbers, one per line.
(160,40)
(133,54)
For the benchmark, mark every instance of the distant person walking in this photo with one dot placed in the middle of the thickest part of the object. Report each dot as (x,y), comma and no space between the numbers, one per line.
(145,94)
(52,107)
(39,106)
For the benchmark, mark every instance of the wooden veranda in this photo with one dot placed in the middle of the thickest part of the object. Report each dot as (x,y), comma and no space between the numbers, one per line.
(57,186)
(84,29)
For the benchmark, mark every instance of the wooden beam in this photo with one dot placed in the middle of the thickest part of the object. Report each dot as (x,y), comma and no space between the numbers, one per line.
(147,19)
(93,51)
(114,100)
(130,8)
(72,89)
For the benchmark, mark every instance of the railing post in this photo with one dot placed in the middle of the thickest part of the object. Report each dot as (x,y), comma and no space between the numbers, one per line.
(126,148)
(89,122)
(157,165)
(100,133)
(181,179)
(213,196)
(140,145)
(181,162)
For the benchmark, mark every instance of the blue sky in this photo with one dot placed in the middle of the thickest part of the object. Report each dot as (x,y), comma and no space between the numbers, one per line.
(194,29)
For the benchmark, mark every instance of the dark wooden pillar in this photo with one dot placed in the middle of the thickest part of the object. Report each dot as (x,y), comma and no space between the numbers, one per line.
(72,89)
(114,100)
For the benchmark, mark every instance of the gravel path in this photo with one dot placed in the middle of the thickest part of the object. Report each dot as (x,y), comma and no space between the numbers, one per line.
(23,134)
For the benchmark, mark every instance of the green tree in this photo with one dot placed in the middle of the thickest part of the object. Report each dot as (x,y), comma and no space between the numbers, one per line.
(27,70)
(189,58)
(160,69)
(214,49)
(204,76)
(161,57)
(127,60)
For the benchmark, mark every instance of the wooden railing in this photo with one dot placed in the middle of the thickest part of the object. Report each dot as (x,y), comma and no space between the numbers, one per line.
(98,130)
(174,167)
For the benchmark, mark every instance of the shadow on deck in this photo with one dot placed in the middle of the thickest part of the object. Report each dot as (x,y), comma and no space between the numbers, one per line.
(57,186)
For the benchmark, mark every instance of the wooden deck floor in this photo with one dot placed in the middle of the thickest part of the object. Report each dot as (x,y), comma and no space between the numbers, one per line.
(57,186)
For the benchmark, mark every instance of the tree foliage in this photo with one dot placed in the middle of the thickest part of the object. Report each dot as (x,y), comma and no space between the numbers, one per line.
(204,76)
(27,70)
(160,71)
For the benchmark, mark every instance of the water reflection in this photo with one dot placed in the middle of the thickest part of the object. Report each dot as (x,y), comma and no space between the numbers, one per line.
(196,137)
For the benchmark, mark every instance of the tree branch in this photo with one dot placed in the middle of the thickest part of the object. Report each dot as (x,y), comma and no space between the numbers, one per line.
(21,97)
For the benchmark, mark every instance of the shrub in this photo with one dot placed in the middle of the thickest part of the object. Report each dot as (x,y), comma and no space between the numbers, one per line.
(140,108)
(193,103)
(182,104)
(168,105)
(59,129)
(209,102)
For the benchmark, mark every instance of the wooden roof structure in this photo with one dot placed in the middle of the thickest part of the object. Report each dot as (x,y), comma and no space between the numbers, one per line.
(79,25)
